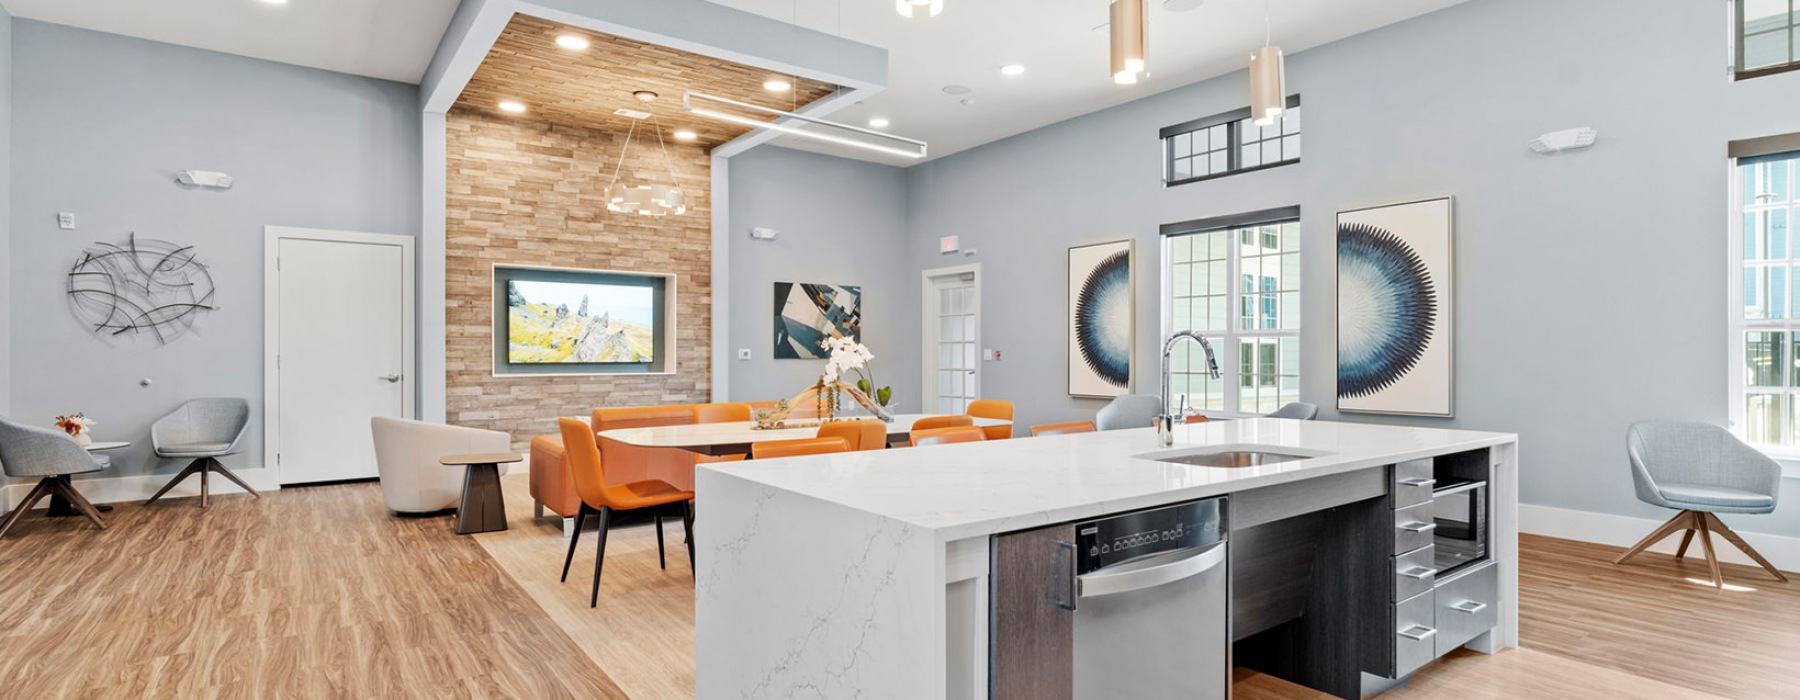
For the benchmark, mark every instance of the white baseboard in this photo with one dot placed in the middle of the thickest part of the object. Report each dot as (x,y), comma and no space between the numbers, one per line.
(141,488)
(1625,531)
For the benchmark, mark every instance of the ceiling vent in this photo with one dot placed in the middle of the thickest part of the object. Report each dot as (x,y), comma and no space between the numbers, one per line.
(631,113)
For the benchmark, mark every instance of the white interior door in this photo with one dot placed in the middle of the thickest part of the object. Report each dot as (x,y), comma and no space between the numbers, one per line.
(342,336)
(952,326)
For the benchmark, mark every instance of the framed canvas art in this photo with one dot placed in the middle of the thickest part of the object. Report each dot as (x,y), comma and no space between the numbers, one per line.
(807,315)
(1102,327)
(1395,277)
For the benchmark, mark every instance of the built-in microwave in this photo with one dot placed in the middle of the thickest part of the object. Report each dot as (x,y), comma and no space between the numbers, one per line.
(1459,508)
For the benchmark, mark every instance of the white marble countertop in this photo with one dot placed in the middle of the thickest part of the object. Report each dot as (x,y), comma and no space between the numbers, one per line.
(976,489)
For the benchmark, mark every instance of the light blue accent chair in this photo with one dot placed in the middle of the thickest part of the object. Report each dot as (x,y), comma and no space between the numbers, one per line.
(202,430)
(51,456)
(1700,469)
(1129,411)
(1298,410)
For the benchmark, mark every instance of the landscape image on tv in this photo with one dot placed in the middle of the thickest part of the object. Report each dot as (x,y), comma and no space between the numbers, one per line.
(579,322)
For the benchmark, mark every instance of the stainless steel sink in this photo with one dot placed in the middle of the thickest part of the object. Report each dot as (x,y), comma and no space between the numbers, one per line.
(1228,457)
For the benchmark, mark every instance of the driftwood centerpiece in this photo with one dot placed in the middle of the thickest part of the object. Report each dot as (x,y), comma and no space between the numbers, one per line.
(816,405)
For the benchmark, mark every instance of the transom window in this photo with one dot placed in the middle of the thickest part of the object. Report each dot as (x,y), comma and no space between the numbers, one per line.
(1229,143)
(1767,36)
(1766,333)
(1236,280)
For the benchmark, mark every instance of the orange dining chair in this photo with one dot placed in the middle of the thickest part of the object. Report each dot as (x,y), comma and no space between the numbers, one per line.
(862,433)
(998,410)
(722,413)
(598,497)
(772,449)
(946,436)
(1062,428)
(935,422)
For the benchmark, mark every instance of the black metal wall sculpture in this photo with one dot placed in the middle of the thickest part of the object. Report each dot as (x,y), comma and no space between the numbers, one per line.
(143,285)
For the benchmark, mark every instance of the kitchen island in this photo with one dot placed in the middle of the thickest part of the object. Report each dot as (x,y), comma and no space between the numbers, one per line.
(872,574)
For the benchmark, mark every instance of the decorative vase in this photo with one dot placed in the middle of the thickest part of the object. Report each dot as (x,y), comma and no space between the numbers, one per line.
(83,440)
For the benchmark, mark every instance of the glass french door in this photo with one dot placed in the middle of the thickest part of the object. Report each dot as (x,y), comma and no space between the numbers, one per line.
(953,313)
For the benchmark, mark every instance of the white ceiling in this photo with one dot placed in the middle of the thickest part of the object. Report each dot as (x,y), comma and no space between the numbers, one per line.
(391,39)
(1066,60)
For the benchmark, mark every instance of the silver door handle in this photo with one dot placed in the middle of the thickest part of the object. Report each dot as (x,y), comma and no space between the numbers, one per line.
(1469,606)
(1416,526)
(389,378)
(1418,481)
(1187,565)
(1418,633)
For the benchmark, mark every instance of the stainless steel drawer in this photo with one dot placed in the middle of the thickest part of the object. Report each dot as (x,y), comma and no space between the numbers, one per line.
(1413,527)
(1414,572)
(1467,605)
(1415,633)
(1412,483)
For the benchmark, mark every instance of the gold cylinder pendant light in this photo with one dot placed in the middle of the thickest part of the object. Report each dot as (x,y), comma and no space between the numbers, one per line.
(1127,28)
(1268,78)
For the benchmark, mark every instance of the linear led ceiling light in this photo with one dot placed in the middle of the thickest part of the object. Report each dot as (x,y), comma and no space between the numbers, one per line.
(800,125)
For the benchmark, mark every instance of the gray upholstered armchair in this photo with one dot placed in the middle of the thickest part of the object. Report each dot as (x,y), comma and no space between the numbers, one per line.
(1700,469)
(1129,411)
(202,430)
(28,451)
(1298,410)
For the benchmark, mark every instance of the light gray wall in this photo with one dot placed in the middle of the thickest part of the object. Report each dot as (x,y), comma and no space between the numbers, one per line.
(841,222)
(1591,285)
(102,123)
(6,31)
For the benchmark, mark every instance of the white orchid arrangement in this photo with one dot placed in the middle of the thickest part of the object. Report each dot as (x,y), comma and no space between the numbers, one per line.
(847,355)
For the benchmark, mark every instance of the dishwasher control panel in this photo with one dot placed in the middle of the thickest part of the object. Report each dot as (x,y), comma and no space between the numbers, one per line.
(1121,538)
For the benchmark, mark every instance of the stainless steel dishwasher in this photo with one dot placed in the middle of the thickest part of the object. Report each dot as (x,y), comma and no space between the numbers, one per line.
(1129,607)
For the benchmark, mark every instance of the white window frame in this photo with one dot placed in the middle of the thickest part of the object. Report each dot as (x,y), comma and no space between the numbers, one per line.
(1787,455)
(1226,351)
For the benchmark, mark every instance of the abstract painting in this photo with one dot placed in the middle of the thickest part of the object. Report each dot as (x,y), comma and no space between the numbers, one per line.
(1102,327)
(807,315)
(577,322)
(1395,281)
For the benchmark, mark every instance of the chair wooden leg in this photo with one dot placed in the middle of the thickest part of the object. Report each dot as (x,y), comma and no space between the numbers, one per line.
(1687,538)
(216,466)
(190,469)
(68,492)
(600,556)
(1714,524)
(580,516)
(1682,519)
(37,493)
(1712,560)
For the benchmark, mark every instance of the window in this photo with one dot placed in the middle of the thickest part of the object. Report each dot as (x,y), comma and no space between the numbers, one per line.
(1236,280)
(1766,330)
(1767,36)
(1229,143)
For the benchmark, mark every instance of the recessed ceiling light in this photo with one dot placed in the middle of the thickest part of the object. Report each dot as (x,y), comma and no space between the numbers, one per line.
(572,42)
(274,2)
(776,85)
(1182,5)
(878,123)
(957,89)
(685,135)
(512,106)
(1012,69)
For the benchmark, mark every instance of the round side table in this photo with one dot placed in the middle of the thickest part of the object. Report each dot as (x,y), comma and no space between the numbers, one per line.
(483,509)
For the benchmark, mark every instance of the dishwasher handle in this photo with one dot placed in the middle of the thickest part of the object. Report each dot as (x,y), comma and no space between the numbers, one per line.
(1189,564)
(1064,573)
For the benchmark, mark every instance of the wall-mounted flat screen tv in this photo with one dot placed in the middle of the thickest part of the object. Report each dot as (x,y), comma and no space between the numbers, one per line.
(558,322)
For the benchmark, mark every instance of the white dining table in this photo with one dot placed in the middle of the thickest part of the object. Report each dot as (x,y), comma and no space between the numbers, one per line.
(736,437)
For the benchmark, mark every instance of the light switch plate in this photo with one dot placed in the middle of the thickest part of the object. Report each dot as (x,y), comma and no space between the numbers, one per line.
(65,221)
(743,353)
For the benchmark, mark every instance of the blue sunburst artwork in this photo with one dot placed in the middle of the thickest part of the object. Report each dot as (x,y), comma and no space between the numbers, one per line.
(1393,309)
(1101,325)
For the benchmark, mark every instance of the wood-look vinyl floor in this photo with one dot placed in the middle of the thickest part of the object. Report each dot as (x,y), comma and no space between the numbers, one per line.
(308,593)
(320,593)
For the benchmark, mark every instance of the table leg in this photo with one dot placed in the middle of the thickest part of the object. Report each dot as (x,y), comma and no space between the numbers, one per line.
(483,509)
(61,507)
